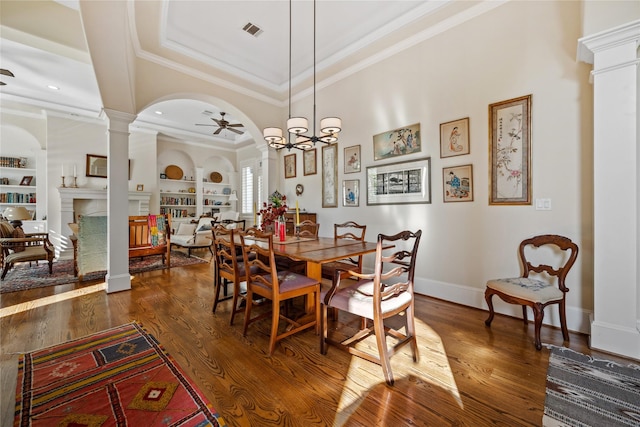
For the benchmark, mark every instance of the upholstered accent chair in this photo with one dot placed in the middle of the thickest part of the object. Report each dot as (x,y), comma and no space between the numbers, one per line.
(545,259)
(16,247)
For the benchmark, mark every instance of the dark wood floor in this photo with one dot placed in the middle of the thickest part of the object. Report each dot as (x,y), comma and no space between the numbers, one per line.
(468,375)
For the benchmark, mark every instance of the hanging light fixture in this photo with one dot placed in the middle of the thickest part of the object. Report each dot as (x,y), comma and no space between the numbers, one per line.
(329,126)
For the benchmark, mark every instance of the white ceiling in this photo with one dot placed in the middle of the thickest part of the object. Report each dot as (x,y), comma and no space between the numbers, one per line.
(348,33)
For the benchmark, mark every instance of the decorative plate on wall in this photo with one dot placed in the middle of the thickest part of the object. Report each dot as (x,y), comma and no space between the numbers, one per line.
(173,172)
(215,177)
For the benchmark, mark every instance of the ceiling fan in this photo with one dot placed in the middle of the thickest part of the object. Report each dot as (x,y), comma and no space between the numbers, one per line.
(223,124)
(5,72)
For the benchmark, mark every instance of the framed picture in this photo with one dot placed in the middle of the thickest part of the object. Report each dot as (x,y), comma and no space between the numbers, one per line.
(351,192)
(397,142)
(399,183)
(26,180)
(457,183)
(352,159)
(290,165)
(140,187)
(510,152)
(309,161)
(330,176)
(454,138)
(96,166)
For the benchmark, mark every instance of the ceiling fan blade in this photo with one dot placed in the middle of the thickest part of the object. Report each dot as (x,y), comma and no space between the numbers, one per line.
(200,124)
(235,125)
(220,122)
(218,131)
(6,72)
(239,132)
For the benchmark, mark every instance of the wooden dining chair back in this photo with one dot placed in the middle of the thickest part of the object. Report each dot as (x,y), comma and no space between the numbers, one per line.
(352,231)
(229,267)
(546,261)
(309,229)
(385,293)
(265,280)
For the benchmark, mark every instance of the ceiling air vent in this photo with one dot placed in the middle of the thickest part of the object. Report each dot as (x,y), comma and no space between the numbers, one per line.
(252,29)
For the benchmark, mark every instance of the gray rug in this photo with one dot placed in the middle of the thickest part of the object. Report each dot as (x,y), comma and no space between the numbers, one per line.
(583,391)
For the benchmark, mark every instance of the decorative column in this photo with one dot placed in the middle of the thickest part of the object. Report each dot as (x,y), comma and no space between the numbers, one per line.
(118,278)
(615,324)
(269,169)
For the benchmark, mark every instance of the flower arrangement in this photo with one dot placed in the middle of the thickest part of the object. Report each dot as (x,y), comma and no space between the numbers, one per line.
(273,211)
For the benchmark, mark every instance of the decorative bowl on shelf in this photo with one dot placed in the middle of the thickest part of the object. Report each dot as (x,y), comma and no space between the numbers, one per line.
(226,191)
(216,177)
(173,172)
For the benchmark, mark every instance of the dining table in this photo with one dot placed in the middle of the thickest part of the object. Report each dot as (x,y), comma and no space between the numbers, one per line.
(318,251)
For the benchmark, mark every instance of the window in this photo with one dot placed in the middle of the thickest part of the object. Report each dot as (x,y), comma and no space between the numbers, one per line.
(251,187)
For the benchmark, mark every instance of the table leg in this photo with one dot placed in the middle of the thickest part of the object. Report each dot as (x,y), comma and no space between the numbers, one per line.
(314,271)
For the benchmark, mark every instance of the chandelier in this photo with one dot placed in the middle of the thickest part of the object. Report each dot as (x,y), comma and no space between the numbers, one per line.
(298,126)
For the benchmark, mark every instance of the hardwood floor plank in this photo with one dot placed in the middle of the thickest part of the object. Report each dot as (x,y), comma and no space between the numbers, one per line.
(468,374)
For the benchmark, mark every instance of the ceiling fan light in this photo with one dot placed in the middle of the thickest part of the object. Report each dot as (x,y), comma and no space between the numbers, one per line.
(272,135)
(297,125)
(331,125)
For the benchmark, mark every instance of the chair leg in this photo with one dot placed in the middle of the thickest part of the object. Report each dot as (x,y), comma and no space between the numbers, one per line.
(324,328)
(216,292)
(525,317)
(50,266)
(488,296)
(247,311)
(236,296)
(538,313)
(563,320)
(275,318)
(381,340)
(7,267)
(411,332)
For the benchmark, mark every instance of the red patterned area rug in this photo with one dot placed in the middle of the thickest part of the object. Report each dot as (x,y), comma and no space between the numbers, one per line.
(23,276)
(121,376)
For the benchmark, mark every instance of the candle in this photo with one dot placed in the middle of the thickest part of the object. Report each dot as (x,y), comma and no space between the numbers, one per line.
(75,175)
(255,222)
(61,170)
(297,214)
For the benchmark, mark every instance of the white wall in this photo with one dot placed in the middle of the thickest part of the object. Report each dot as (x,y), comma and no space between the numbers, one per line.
(503,54)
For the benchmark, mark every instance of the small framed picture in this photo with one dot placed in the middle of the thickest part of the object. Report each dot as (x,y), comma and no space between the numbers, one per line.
(351,192)
(140,187)
(309,162)
(352,159)
(454,138)
(457,183)
(26,180)
(290,165)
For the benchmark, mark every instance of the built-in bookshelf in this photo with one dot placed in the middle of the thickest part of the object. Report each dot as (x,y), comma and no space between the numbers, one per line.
(18,183)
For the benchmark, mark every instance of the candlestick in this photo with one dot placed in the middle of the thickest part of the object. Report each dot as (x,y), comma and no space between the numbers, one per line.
(63,186)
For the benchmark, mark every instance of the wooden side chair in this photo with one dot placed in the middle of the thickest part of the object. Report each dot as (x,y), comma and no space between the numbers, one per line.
(385,293)
(265,280)
(308,230)
(229,267)
(348,230)
(539,291)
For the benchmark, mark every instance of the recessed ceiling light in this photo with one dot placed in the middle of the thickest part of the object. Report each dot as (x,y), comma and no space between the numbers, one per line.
(52,87)
(158,112)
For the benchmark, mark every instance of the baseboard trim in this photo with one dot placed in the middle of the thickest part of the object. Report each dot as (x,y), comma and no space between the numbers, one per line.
(577,319)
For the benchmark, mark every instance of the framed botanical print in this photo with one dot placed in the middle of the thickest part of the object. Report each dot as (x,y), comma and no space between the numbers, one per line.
(510,152)
(352,159)
(309,161)
(457,183)
(454,138)
(351,192)
(290,165)
(330,176)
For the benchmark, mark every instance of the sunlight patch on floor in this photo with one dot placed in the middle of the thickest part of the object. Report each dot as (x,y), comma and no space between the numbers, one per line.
(19,308)
(432,367)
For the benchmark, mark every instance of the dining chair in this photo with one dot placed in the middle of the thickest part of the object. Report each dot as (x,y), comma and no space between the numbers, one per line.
(265,280)
(308,230)
(229,268)
(545,259)
(352,231)
(385,293)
